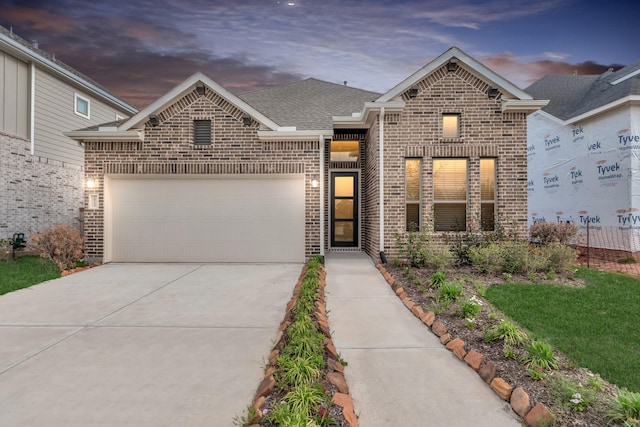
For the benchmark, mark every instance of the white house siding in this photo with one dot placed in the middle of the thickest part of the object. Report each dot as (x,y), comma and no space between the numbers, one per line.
(14,96)
(588,171)
(55,114)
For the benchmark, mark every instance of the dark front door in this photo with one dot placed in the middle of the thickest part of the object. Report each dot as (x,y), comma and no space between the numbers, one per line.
(344,209)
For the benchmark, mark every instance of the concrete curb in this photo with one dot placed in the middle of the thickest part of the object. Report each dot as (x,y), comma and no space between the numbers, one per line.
(336,377)
(517,397)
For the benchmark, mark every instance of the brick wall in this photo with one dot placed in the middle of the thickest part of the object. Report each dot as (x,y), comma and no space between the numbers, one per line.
(35,192)
(417,133)
(168,150)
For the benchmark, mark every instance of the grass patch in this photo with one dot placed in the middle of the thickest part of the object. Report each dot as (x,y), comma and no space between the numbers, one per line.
(24,272)
(597,325)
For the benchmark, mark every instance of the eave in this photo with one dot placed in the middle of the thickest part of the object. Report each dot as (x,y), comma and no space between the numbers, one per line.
(111,136)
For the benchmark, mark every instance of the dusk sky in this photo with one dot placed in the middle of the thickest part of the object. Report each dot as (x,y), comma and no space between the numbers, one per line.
(141,49)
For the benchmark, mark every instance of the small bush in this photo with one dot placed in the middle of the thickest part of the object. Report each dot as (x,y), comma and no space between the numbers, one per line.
(508,332)
(60,243)
(470,308)
(515,256)
(560,257)
(437,257)
(412,247)
(486,259)
(628,259)
(462,242)
(547,232)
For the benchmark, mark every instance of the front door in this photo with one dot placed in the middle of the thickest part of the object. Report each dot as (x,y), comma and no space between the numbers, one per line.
(344,209)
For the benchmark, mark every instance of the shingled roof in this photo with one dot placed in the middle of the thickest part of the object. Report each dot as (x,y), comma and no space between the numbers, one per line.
(308,104)
(573,95)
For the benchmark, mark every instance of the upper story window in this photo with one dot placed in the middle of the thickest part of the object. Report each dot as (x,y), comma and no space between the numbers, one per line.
(82,106)
(451,125)
(344,151)
(202,132)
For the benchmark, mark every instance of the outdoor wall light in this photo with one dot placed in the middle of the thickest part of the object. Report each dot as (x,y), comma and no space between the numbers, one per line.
(452,65)
(200,88)
(314,183)
(493,92)
(413,92)
(90,183)
(246,119)
(153,119)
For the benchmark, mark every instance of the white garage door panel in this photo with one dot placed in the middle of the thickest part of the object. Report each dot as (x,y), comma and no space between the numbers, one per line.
(206,220)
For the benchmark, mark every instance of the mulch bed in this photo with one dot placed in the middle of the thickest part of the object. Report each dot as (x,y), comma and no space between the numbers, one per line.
(512,371)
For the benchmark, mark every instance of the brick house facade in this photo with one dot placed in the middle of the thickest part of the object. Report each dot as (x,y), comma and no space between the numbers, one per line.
(326,141)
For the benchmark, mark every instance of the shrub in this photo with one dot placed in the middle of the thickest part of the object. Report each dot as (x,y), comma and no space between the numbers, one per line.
(547,232)
(462,242)
(560,257)
(470,308)
(508,332)
(60,243)
(437,257)
(438,279)
(451,291)
(411,248)
(486,259)
(515,256)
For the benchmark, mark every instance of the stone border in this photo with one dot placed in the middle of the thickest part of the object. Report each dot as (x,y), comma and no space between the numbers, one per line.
(336,377)
(518,398)
(79,269)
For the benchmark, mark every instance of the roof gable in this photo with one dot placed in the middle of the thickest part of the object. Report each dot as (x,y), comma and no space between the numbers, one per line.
(165,101)
(479,70)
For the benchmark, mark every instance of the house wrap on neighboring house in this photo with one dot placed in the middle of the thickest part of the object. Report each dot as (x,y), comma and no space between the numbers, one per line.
(41,170)
(583,150)
(284,173)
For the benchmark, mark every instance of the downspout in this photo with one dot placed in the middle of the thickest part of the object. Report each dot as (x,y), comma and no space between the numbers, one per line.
(321,179)
(32,109)
(383,259)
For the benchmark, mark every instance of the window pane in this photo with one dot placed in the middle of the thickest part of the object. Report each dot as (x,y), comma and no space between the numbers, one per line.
(343,209)
(413,216)
(487,179)
(344,186)
(450,125)
(412,179)
(82,106)
(450,216)
(343,231)
(449,179)
(487,216)
(344,151)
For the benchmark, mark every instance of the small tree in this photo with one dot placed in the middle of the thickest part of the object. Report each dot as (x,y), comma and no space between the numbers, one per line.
(61,244)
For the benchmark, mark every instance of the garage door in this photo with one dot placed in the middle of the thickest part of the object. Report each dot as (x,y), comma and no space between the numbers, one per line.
(254,219)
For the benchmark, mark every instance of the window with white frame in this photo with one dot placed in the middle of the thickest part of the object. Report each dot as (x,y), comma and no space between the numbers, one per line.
(487,194)
(412,179)
(82,106)
(450,194)
(451,125)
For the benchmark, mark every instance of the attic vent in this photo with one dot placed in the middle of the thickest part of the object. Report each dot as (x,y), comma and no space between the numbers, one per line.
(202,132)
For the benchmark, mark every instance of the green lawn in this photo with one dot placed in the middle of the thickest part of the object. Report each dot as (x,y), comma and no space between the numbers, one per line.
(597,326)
(24,272)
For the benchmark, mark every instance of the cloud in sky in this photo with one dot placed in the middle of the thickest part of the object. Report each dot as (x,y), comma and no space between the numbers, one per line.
(140,49)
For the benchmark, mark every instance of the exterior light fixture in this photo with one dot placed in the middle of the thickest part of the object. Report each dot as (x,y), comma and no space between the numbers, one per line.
(413,92)
(246,119)
(493,92)
(90,183)
(153,119)
(200,88)
(314,183)
(452,65)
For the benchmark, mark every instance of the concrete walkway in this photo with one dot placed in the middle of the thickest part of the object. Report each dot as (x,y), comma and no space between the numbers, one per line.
(140,344)
(399,374)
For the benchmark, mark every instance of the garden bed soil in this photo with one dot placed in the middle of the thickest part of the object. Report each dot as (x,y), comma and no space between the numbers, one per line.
(512,371)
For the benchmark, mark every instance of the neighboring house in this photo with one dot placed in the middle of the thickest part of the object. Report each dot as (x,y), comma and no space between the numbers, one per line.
(41,170)
(288,172)
(583,150)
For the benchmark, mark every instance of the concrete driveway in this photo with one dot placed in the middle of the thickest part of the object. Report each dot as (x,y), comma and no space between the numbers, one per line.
(140,344)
